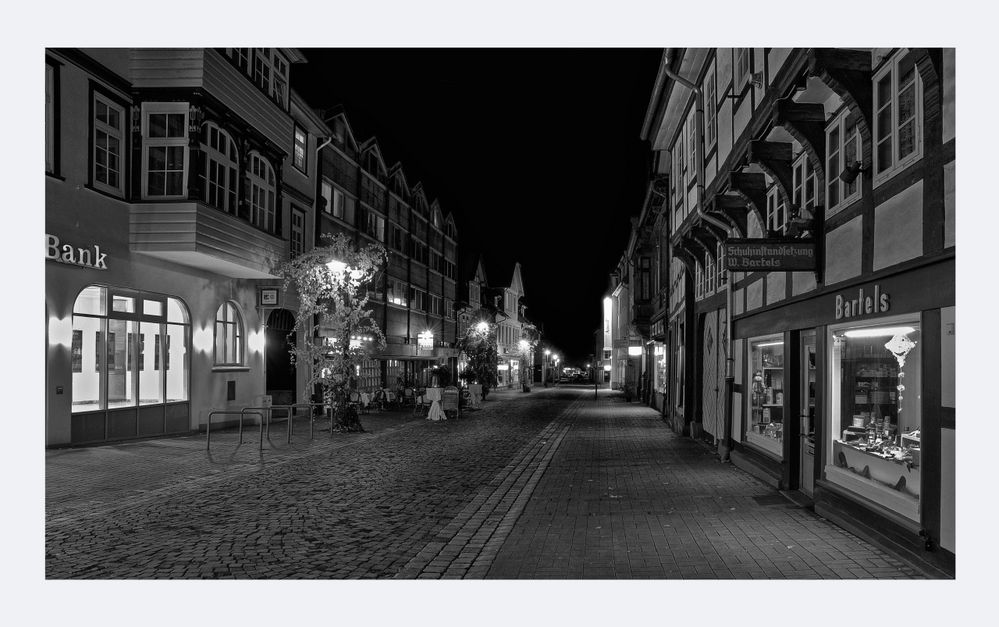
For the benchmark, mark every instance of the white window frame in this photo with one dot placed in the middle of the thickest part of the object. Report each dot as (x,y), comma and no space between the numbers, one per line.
(300,152)
(838,157)
(742,66)
(699,279)
(297,238)
(892,110)
(262,215)
(50,118)
(228,163)
(709,90)
(154,108)
(229,324)
(720,256)
(111,132)
(802,173)
(709,274)
(776,218)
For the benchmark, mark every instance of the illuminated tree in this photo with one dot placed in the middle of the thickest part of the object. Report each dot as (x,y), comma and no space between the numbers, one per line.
(479,347)
(331,282)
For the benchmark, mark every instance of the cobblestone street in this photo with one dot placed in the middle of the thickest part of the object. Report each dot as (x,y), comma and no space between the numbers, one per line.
(550,484)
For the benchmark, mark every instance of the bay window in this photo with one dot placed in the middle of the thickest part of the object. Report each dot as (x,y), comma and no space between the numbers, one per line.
(217,172)
(164,150)
(108,134)
(261,192)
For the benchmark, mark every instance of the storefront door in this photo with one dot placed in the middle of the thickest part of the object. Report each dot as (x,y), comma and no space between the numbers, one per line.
(806,479)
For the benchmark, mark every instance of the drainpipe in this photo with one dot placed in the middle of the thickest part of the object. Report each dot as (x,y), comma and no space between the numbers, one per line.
(725,445)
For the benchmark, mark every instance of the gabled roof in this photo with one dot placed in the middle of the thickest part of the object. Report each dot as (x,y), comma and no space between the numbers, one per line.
(370,147)
(516,282)
(436,215)
(449,221)
(397,175)
(343,134)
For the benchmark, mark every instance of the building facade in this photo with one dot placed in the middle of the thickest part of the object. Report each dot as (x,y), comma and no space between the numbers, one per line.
(836,381)
(169,206)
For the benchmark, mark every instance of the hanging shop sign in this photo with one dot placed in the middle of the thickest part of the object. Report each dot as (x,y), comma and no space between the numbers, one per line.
(771,255)
(90,257)
(425,340)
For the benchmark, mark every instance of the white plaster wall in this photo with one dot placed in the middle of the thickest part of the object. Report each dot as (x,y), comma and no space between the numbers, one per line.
(777,58)
(754,295)
(947,490)
(753,225)
(947,358)
(742,117)
(843,246)
(948,94)
(802,282)
(898,227)
(776,287)
(737,297)
(950,220)
(724,126)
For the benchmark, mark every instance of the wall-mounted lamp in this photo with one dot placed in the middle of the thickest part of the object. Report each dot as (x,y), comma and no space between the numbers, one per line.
(851,171)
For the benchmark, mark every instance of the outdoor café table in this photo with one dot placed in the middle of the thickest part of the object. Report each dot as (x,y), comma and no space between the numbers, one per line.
(434,396)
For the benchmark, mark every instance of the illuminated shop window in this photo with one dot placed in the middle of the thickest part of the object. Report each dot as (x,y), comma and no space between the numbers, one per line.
(765,428)
(875,412)
(134,352)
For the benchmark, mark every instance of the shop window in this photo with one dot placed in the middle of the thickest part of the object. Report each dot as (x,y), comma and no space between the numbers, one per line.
(765,428)
(898,108)
(164,150)
(107,150)
(261,191)
(139,357)
(218,167)
(228,336)
(874,409)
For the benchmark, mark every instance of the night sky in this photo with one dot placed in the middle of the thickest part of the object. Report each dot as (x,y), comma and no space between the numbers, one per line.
(536,152)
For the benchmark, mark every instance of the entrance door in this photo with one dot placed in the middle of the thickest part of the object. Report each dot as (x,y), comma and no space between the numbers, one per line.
(806,412)
(280,370)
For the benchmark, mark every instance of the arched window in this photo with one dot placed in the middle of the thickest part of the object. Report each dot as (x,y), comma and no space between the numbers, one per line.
(261,191)
(217,173)
(129,348)
(228,336)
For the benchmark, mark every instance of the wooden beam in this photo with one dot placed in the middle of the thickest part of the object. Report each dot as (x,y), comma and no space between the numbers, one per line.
(775,159)
(753,189)
(806,122)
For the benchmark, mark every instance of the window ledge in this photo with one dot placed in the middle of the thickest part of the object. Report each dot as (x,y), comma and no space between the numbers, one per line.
(230,369)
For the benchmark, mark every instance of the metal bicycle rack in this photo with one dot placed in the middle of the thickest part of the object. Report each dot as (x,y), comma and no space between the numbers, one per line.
(242,413)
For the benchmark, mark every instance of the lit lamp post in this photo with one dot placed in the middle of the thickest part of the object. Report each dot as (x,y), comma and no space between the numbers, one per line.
(544,367)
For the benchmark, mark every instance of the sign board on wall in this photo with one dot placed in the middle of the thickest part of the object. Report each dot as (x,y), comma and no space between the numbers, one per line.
(90,257)
(268,297)
(769,255)
(425,340)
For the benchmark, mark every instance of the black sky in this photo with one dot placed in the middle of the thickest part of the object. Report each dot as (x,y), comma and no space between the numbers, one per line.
(536,152)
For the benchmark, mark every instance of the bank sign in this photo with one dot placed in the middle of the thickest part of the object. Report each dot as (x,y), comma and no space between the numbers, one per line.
(769,255)
(90,257)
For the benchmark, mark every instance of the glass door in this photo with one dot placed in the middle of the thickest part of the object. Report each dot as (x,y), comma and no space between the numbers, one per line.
(806,479)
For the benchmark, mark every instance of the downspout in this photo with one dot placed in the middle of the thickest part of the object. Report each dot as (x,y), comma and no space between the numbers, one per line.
(725,444)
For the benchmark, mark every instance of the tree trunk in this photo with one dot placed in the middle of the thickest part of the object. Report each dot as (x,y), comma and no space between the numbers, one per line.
(345,419)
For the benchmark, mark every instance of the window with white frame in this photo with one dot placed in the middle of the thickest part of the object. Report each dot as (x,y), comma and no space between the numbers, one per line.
(326,191)
(228,336)
(164,149)
(436,305)
(241,57)
(261,191)
(804,193)
(898,107)
(690,132)
(297,232)
(698,280)
(842,150)
(743,68)
(217,174)
(776,211)
(301,149)
(108,145)
(397,293)
(710,109)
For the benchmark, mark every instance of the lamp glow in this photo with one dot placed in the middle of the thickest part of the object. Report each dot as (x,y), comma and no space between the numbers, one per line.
(878,332)
(634,351)
(780,343)
(482,327)
(61,332)
(607,368)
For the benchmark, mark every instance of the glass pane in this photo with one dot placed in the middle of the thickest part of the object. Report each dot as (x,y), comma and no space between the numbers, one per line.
(152,307)
(123,304)
(149,363)
(157,125)
(766,397)
(87,379)
(121,363)
(175,125)
(884,155)
(176,311)
(175,362)
(220,356)
(90,301)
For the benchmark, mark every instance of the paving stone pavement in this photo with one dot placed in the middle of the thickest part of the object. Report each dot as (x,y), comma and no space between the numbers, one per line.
(550,484)
(624,497)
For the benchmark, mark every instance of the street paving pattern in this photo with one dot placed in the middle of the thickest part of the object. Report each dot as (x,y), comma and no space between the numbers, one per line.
(550,484)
